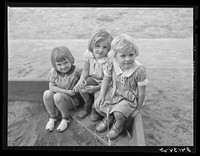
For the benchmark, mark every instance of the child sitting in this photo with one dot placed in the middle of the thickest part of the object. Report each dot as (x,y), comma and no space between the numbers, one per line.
(62,78)
(127,93)
(95,59)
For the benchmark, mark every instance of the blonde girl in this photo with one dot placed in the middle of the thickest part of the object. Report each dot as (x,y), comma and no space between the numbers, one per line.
(60,96)
(127,93)
(92,75)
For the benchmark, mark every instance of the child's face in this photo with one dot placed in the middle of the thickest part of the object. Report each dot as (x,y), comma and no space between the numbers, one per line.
(100,49)
(126,59)
(63,66)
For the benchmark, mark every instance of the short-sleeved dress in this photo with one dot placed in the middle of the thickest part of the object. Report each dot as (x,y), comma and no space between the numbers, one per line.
(96,67)
(123,94)
(67,82)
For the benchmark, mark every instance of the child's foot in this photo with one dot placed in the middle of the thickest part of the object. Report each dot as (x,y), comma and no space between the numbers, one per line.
(102,126)
(115,131)
(94,115)
(63,125)
(84,112)
(50,124)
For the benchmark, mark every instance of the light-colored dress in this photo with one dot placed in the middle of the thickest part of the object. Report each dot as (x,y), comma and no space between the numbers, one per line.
(123,94)
(96,66)
(67,81)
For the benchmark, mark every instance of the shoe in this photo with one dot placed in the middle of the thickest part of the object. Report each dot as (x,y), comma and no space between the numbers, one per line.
(94,115)
(102,126)
(83,113)
(63,125)
(50,124)
(115,131)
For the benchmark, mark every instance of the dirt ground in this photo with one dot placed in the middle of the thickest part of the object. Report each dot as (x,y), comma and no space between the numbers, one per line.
(164,37)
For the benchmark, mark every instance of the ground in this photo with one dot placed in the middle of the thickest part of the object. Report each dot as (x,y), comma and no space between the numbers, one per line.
(165,40)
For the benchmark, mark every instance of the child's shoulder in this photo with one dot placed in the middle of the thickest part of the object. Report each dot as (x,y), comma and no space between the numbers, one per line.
(53,72)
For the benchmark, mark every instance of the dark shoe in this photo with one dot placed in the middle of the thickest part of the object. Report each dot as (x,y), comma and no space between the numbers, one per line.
(83,113)
(115,131)
(102,126)
(94,116)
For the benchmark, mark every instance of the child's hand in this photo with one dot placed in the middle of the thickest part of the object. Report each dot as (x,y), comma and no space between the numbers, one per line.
(99,102)
(91,89)
(70,92)
(80,85)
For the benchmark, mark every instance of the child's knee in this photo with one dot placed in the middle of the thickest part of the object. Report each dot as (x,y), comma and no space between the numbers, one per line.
(58,98)
(48,94)
(119,116)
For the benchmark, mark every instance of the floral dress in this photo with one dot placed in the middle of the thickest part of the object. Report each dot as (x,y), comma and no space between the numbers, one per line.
(96,67)
(67,81)
(123,94)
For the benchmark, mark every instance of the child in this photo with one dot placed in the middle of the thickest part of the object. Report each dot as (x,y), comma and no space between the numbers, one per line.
(127,93)
(92,75)
(62,78)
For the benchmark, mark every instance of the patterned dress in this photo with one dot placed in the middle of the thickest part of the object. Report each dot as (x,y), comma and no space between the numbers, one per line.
(123,94)
(96,67)
(67,81)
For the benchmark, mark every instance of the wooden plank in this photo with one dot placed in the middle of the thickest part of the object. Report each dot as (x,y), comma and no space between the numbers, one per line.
(138,130)
(28,90)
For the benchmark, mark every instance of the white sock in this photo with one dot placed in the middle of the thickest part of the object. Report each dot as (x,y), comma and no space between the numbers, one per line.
(63,125)
(50,124)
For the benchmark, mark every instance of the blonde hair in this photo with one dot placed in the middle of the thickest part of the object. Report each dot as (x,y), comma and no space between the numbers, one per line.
(99,35)
(60,54)
(122,43)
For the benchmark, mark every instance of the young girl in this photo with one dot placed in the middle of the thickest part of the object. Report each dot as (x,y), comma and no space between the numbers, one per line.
(62,78)
(127,94)
(92,75)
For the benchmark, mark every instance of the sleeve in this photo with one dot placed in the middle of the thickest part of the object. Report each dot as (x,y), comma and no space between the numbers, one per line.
(52,75)
(141,76)
(87,55)
(108,68)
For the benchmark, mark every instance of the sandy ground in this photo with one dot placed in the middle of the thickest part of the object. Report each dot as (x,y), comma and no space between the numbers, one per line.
(164,37)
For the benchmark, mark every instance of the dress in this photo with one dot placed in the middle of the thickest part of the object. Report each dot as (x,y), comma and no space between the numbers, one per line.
(96,67)
(67,82)
(122,95)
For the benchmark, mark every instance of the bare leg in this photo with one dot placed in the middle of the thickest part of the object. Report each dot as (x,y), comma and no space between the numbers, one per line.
(63,103)
(50,107)
(49,103)
(87,100)
(118,126)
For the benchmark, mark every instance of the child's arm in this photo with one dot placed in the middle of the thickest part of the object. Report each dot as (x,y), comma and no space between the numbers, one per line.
(56,89)
(84,75)
(141,96)
(104,88)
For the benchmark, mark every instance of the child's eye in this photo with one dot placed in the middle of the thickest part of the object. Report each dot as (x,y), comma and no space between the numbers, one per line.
(96,45)
(131,55)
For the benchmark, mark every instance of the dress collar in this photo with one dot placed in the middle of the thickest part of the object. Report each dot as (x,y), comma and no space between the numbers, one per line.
(102,60)
(125,73)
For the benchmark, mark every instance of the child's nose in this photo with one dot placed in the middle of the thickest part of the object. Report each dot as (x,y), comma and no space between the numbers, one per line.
(100,49)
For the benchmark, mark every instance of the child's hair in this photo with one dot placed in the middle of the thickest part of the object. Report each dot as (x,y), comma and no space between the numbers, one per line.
(99,35)
(59,54)
(122,43)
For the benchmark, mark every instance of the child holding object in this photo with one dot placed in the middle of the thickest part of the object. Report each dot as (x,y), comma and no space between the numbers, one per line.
(92,75)
(62,78)
(127,93)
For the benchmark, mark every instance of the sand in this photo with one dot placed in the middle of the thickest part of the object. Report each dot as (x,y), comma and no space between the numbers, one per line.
(164,37)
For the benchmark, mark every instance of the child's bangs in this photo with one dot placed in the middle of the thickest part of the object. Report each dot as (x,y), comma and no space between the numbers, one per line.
(60,56)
